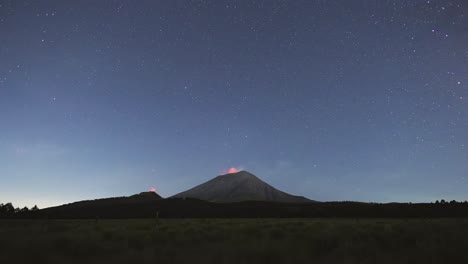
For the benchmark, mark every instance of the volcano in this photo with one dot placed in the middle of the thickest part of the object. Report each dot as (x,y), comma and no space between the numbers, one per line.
(237,187)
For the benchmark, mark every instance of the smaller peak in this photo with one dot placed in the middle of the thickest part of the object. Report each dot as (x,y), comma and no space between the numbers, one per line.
(148,194)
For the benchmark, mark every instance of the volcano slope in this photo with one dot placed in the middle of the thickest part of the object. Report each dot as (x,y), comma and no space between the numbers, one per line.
(238,187)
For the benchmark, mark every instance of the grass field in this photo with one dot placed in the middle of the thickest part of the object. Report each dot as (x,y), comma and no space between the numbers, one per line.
(235,241)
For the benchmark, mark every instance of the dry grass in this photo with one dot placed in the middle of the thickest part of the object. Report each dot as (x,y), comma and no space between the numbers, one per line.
(235,241)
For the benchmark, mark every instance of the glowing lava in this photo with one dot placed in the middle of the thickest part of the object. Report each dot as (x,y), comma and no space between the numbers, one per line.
(233,170)
(153,189)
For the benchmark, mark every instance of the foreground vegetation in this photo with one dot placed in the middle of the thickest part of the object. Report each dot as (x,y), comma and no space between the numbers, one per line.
(234,241)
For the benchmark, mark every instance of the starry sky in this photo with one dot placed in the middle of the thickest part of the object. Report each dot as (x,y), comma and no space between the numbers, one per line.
(334,100)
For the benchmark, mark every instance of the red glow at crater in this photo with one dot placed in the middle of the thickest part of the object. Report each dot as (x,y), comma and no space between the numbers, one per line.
(233,170)
(153,189)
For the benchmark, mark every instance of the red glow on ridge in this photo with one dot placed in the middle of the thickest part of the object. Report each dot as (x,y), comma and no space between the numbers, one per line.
(153,189)
(233,170)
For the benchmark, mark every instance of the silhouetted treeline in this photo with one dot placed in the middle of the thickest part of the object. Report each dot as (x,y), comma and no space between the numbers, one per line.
(9,211)
(131,207)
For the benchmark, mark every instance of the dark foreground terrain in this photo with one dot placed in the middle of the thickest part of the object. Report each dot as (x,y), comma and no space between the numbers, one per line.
(235,241)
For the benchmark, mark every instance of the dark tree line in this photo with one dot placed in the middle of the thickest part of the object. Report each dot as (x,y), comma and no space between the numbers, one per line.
(9,211)
(140,207)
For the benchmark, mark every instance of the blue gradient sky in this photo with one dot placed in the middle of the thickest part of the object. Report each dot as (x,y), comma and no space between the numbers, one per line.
(333,100)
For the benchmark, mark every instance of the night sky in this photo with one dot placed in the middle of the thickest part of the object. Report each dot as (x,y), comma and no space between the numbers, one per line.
(333,100)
